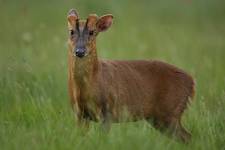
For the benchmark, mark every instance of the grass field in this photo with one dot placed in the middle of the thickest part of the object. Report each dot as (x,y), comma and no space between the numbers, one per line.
(34,104)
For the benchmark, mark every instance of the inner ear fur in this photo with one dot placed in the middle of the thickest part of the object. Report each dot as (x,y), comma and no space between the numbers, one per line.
(72,18)
(104,22)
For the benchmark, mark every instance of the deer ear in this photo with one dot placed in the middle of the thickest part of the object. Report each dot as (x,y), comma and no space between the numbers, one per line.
(91,21)
(72,17)
(104,22)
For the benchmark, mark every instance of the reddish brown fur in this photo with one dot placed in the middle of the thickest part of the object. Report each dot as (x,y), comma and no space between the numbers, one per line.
(152,90)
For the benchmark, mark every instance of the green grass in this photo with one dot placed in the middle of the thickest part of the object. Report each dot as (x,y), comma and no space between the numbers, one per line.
(34,104)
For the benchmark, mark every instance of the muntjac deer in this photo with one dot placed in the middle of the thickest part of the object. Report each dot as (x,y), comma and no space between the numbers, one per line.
(100,89)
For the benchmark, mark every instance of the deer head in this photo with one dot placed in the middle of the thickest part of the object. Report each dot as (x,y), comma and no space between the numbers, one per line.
(83,33)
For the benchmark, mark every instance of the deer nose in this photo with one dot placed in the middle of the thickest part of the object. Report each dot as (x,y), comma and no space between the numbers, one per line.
(80,52)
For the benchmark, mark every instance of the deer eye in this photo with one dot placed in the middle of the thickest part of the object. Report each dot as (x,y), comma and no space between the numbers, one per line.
(91,32)
(71,32)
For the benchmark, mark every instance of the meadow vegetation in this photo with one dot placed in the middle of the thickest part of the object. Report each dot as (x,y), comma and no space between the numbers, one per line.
(35,112)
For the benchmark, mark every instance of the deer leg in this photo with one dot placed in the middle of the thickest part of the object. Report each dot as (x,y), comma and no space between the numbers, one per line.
(106,122)
(82,121)
(179,131)
(106,118)
(171,128)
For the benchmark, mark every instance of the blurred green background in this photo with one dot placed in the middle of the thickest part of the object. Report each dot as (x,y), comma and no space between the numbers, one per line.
(34,104)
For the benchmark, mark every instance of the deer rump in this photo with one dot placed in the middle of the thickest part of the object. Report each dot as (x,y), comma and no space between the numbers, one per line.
(144,89)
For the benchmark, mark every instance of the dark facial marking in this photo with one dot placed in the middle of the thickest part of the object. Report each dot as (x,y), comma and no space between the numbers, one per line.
(81,41)
(81,36)
(77,26)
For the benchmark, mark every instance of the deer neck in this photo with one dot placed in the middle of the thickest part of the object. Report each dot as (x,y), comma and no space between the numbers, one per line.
(86,69)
